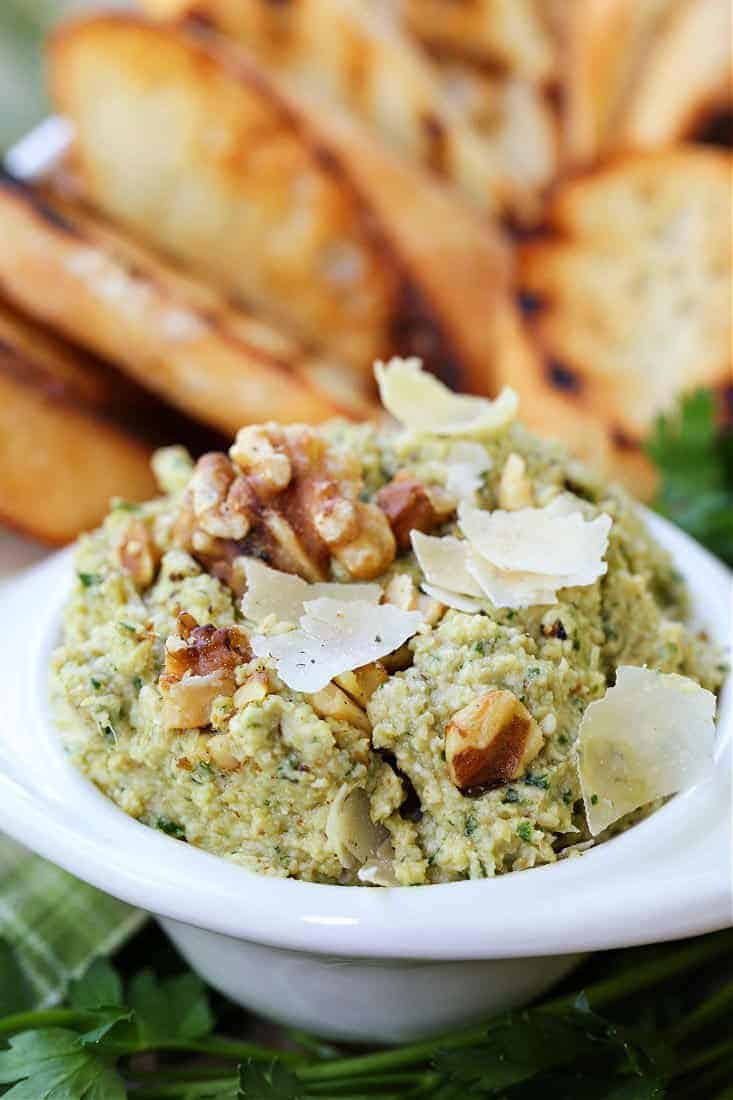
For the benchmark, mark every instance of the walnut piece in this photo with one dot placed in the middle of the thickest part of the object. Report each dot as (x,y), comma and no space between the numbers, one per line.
(491,741)
(138,554)
(411,506)
(402,592)
(199,665)
(288,497)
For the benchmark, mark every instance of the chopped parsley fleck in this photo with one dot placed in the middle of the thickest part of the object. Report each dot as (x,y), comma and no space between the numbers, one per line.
(128,627)
(109,734)
(563,739)
(137,682)
(480,647)
(170,828)
(524,830)
(532,671)
(96,684)
(471,825)
(567,797)
(89,579)
(202,773)
(594,800)
(541,781)
(511,795)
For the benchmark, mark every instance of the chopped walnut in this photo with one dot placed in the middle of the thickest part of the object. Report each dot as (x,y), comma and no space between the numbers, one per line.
(254,689)
(220,752)
(289,498)
(515,488)
(199,666)
(491,741)
(362,682)
(332,702)
(411,506)
(138,554)
(403,593)
(198,650)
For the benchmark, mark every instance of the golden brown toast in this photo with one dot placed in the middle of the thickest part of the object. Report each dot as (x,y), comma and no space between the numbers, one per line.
(62,456)
(490,135)
(173,336)
(629,293)
(279,203)
(607,46)
(686,79)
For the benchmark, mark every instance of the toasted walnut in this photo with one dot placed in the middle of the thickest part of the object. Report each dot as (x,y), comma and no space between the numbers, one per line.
(402,591)
(138,554)
(209,489)
(288,498)
(515,488)
(187,703)
(199,666)
(259,452)
(197,650)
(254,689)
(332,702)
(362,682)
(491,741)
(411,506)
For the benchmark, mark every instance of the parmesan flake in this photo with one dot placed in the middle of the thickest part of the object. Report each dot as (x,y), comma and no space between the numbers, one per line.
(336,637)
(283,595)
(650,736)
(422,403)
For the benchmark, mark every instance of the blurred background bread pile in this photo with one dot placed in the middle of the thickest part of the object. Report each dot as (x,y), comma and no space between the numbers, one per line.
(261,198)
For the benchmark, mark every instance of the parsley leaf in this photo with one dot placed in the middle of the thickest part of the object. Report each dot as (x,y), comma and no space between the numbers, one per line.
(170,1010)
(268,1082)
(695,462)
(54,1064)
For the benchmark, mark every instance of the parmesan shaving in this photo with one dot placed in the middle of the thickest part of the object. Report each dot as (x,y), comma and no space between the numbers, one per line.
(539,541)
(283,595)
(425,405)
(464,467)
(649,736)
(334,637)
(469,604)
(444,561)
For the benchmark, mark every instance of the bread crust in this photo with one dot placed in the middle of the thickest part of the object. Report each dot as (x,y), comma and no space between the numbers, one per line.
(62,456)
(410,270)
(175,337)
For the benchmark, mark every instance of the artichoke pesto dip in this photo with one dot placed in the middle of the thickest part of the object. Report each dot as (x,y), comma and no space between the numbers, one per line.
(350,654)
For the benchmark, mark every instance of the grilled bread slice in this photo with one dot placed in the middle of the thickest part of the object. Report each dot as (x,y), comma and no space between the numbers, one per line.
(629,294)
(687,78)
(62,453)
(460,123)
(608,42)
(293,208)
(179,339)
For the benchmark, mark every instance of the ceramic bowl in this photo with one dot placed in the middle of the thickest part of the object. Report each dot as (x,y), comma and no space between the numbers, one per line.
(352,962)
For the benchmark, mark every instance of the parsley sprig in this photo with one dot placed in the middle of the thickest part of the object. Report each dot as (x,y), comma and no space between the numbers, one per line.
(611,1041)
(694,457)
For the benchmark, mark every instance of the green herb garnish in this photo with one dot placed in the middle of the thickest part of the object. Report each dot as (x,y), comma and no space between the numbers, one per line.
(694,458)
(89,579)
(524,830)
(170,828)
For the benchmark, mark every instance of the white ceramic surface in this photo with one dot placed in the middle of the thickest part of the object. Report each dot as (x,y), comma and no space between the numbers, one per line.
(365,963)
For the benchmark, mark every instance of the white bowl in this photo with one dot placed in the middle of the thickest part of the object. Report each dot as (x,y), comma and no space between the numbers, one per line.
(363,963)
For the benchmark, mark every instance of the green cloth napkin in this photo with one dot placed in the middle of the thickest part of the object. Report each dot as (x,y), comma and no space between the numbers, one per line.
(51,927)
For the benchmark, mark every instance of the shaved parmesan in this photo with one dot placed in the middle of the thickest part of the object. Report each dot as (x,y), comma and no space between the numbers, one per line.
(469,604)
(283,595)
(509,589)
(422,403)
(350,831)
(334,637)
(650,736)
(539,541)
(444,561)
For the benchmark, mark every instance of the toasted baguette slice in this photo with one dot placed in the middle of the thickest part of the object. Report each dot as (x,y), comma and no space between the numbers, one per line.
(511,34)
(197,150)
(630,293)
(176,338)
(459,124)
(687,77)
(607,46)
(61,455)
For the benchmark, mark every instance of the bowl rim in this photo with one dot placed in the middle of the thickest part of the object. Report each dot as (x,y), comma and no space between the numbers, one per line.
(667,877)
